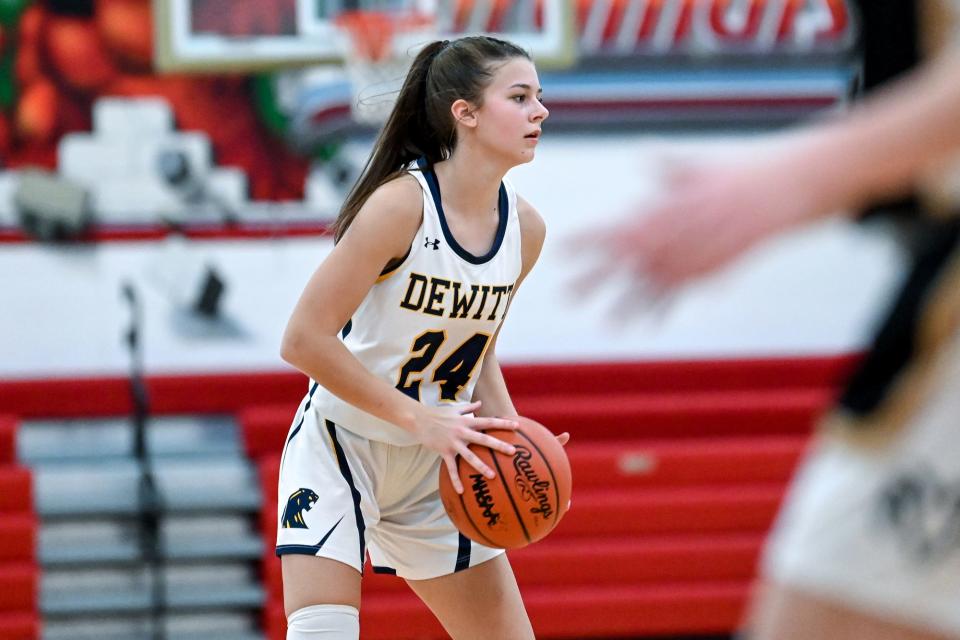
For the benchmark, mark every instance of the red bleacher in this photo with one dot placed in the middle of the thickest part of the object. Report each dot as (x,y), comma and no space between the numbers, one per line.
(677,478)
(568,611)
(16,489)
(8,444)
(19,574)
(677,416)
(678,470)
(19,626)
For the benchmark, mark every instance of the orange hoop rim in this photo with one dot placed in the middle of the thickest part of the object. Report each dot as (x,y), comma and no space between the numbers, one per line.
(372,32)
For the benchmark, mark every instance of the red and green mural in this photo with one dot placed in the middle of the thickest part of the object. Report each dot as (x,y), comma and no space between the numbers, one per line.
(58,57)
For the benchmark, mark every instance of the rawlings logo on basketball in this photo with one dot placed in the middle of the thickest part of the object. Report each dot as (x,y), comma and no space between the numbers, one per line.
(484,500)
(528,482)
(300,500)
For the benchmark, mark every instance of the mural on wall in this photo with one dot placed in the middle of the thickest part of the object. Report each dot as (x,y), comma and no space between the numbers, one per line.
(58,56)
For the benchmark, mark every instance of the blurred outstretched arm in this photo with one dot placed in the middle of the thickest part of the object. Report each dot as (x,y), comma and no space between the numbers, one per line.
(715,208)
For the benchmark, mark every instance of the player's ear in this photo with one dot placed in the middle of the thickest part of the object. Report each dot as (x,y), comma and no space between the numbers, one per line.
(464,113)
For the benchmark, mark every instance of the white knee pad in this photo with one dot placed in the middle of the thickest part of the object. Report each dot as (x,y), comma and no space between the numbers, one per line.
(324,622)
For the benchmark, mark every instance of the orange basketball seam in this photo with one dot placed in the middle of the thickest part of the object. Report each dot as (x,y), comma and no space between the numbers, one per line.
(506,489)
(466,511)
(553,476)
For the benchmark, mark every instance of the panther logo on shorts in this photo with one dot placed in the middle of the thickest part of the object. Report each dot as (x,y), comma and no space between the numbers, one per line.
(300,500)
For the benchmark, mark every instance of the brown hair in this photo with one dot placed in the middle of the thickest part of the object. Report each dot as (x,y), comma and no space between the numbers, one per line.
(420,124)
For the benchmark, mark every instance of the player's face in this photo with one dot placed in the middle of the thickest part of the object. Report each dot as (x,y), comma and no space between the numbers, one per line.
(512,114)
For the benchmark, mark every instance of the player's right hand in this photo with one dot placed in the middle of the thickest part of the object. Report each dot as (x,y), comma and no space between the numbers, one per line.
(450,430)
(712,210)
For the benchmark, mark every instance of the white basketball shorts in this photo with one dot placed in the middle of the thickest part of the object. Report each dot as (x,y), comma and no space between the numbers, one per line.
(877,526)
(342,496)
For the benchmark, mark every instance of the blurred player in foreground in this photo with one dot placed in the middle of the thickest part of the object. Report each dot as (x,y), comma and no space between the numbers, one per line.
(867,544)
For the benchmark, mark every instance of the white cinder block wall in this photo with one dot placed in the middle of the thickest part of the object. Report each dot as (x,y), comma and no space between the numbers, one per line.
(118,162)
(815,292)
(8,184)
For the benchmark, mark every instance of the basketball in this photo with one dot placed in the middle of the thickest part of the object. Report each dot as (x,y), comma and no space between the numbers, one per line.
(526,499)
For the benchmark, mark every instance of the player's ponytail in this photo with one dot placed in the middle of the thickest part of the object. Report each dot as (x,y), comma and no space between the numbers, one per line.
(421,124)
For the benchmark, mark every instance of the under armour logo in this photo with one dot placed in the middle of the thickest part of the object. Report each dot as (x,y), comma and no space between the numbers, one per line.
(432,243)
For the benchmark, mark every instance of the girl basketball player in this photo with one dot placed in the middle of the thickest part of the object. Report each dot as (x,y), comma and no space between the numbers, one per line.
(867,545)
(397,331)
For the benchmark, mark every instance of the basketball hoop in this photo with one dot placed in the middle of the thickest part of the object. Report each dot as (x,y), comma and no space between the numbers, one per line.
(375,65)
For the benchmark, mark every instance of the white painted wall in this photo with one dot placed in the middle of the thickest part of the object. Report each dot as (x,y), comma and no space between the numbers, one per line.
(816,292)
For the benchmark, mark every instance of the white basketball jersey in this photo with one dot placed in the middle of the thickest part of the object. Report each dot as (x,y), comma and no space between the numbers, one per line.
(425,326)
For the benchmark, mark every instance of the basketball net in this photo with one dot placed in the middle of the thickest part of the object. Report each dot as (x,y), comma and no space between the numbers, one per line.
(376,67)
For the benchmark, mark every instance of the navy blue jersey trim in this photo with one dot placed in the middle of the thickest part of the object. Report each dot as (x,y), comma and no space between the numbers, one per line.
(327,534)
(296,429)
(464,548)
(306,408)
(504,209)
(396,264)
(306,549)
(348,476)
(299,549)
(347,328)
(387,570)
(897,345)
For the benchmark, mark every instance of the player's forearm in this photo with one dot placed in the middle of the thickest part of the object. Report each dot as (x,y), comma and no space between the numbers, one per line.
(491,390)
(330,363)
(886,144)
